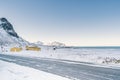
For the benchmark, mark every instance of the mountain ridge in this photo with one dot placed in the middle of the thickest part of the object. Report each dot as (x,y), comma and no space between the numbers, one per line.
(7,26)
(8,35)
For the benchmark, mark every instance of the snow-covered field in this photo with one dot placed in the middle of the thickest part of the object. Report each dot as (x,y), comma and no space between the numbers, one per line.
(101,57)
(108,56)
(11,71)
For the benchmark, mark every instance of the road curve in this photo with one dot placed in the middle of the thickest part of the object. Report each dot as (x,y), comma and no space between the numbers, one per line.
(69,70)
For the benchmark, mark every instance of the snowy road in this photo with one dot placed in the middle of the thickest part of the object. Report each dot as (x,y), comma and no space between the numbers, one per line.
(68,69)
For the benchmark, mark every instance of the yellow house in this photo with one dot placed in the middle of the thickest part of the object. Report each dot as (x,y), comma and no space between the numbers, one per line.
(15,49)
(35,48)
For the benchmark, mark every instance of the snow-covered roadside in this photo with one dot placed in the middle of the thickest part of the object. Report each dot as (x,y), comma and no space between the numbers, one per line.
(108,57)
(11,71)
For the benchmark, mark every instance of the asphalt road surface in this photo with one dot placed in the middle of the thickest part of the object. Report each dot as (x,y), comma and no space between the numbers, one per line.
(69,69)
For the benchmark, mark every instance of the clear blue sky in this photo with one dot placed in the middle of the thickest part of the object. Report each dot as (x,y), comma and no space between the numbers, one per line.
(74,22)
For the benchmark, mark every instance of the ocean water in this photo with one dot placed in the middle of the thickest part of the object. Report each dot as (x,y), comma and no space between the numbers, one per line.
(96,47)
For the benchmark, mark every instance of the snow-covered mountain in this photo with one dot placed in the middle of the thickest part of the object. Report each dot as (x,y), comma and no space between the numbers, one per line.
(8,36)
(57,44)
(39,43)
